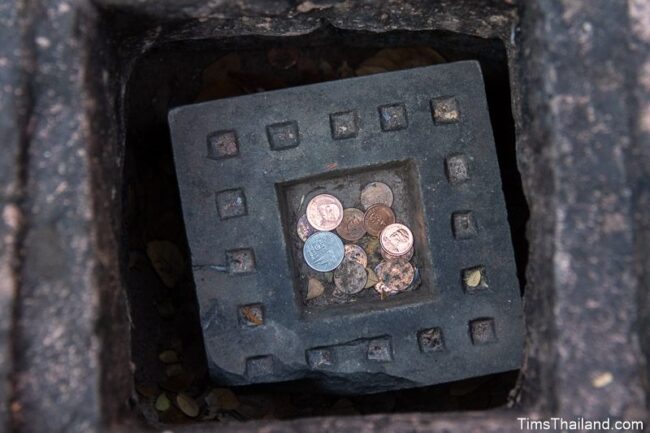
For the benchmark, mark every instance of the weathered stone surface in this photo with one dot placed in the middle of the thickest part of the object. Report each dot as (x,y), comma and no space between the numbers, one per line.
(12,118)
(56,352)
(57,348)
(371,345)
(574,138)
(576,152)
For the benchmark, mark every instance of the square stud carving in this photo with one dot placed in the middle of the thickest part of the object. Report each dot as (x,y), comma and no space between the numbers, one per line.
(364,347)
(393,117)
(474,279)
(344,124)
(445,110)
(463,225)
(283,135)
(457,168)
(379,349)
(240,261)
(430,340)
(251,315)
(482,331)
(222,144)
(231,203)
(259,366)
(320,358)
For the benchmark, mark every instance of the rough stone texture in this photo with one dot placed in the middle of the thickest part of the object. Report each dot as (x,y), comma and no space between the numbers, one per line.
(638,160)
(12,127)
(574,153)
(373,342)
(580,96)
(56,362)
(57,352)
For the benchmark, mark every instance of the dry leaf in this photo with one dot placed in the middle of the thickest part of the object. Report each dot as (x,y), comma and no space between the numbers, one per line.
(146,390)
(162,403)
(137,261)
(177,383)
(187,405)
(252,315)
(370,69)
(223,399)
(473,278)
(283,58)
(372,278)
(602,379)
(168,357)
(167,260)
(173,370)
(345,71)
(372,246)
(217,81)
(392,59)
(314,289)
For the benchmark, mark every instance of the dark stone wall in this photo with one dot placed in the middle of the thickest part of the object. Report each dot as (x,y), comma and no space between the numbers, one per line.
(12,122)
(580,87)
(574,144)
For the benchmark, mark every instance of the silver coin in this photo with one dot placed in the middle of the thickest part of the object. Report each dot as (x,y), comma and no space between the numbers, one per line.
(323,251)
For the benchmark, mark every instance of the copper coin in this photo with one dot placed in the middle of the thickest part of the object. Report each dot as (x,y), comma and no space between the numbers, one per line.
(352,227)
(304,229)
(356,254)
(394,276)
(324,212)
(388,256)
(396,239)
(377,217)
(376,193)
(350,277)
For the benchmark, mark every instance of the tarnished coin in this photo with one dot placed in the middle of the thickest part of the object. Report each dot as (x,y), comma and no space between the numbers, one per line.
(304,229)
(370,245)
(396,239)
(376,193)
(388,256)
(324,212)
(377,217)
(352,227)
(323,251)
(350,277)
(394,276)
(383,289)
(356,254)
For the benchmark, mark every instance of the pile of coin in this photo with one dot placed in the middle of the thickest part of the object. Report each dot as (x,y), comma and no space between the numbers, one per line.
(326,224)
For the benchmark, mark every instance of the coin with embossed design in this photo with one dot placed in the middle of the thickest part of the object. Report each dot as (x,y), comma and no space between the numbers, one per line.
(376,193)
(324,212)
(350,277)
(394,276)
(356,254)
(304,229)
(388,256)
(377,217)
(351,227)
(323,251)
(396,239)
